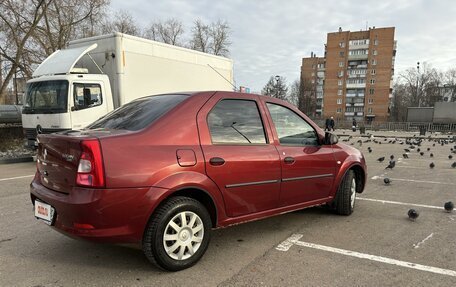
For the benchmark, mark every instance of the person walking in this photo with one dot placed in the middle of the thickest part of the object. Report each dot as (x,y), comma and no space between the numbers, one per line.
(354,125)
(331,124)
(327,123)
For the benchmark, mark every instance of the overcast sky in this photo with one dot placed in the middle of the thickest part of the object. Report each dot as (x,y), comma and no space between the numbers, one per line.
(271,37)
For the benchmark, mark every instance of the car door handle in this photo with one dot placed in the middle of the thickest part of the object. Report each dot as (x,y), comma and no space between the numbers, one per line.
(216,161)
(289,160)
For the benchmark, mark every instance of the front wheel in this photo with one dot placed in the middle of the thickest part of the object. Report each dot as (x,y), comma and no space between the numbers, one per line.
(344,202)
(178,234)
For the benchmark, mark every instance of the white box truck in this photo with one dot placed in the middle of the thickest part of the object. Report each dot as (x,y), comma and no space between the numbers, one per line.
(74,87)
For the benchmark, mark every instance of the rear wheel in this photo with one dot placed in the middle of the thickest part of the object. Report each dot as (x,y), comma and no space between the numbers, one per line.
(344,202)
(178,234)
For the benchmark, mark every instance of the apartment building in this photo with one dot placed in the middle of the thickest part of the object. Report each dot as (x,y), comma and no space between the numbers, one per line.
(358,71)
(312,79)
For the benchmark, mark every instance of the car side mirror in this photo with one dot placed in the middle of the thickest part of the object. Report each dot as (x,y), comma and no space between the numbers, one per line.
(331,138)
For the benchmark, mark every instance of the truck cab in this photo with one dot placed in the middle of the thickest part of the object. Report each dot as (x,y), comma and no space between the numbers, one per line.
(62,97)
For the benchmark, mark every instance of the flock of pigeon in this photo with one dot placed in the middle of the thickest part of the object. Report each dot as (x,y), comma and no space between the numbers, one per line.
(413,144)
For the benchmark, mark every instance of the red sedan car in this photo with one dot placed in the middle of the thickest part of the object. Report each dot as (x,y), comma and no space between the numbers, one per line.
(164,170)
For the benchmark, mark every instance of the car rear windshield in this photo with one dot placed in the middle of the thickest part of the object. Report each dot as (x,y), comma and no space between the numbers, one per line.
(138,114)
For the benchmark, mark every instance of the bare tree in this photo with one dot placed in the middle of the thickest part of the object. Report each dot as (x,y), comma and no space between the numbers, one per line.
(200,37)
(308,97)
(295,93)
(123,22)
(31,30)
(422,86)
(169,32)
(276,87)
(18,21)
(400,102)
(220,43)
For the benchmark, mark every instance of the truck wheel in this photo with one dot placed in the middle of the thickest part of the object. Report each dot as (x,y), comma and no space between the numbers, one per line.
(178,234)
(344,202)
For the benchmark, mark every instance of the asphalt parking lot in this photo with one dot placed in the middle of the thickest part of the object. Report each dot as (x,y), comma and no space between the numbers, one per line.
(376,246)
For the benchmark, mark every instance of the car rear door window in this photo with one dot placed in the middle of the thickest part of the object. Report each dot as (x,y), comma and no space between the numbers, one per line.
(291,128)
(236,122)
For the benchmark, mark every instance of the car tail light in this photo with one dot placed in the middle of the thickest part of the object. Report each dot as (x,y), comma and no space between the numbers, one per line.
(90,168)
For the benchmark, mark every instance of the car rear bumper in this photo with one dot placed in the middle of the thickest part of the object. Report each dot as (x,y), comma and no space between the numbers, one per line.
(102,215)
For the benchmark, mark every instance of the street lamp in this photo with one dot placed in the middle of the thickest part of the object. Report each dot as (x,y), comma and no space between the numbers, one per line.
(277,78)
(417,83)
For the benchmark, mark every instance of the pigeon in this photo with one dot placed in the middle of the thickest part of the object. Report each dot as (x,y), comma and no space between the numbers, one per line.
(413,214)
(431,165)
(449,206)
(406,150)
(404,155)
(369,149)
(387,181)
(453,165)
(391,157)
(391,164)
(381,159)
(431,155)
(433,144)
(428,149)
(421,153)
(450,156)
(418,150)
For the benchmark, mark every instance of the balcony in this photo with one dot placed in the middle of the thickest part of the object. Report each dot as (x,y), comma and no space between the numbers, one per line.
(358,57)
(349,113)
(354,76)
(321,74)
(357,47)
(354,86)
(354,95)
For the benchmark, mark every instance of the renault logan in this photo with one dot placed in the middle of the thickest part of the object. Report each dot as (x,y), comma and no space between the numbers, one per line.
(164,170)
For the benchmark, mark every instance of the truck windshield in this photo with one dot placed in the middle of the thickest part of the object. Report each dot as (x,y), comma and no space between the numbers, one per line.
(138,114)
(46,97)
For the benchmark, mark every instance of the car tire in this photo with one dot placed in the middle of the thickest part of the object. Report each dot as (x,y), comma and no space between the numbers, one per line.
(171,243)
(344,202)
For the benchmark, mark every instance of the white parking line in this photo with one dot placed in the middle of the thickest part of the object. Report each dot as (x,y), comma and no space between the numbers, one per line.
(294,240)
(375,177)
(17,177)
(399,203)
(422,241)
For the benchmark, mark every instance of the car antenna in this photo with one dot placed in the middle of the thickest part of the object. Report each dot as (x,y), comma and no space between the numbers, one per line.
(235,89)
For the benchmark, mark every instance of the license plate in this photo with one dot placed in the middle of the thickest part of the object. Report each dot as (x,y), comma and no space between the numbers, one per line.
(44,212)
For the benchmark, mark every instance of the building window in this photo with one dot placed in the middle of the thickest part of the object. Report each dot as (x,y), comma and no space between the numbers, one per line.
(339,110)
(342,44)
(376,42)
(375,52)
(313,81)
(313,74)
(374,62)
(341,54)
(370,101)
(339,92)
(339,101)
(340,74)
(341,64)
(313,66)
(372,81)
(373,72)
(371,91)
(369,110)
(340,82)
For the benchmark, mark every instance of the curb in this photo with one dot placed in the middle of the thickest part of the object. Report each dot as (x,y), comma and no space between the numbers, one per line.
(16,160)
